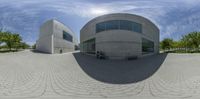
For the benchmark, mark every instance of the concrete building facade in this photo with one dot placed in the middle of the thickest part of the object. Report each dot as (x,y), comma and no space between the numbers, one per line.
(119,36)
(55,37)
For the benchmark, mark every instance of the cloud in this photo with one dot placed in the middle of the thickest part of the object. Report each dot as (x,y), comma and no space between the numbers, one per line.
(187,23)
(174,18)
(84,9)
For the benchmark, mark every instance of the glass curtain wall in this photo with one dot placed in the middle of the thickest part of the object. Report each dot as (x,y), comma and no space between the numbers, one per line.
(89,46)
(147,46)
(67,36)
(119,25)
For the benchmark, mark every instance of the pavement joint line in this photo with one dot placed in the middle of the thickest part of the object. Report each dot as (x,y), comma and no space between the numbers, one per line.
(36,75)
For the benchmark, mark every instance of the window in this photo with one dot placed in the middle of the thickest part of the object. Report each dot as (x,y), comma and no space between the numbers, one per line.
(89,46)
(112,25)
(147,46)
(126,25)
(137,27)
(67,36)
(119,24)
(100,27)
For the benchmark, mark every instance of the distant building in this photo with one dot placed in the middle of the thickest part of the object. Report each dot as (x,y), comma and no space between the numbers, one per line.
(119,36)
(55,37)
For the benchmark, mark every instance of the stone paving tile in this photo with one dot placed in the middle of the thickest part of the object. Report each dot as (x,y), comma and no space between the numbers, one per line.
(45,76)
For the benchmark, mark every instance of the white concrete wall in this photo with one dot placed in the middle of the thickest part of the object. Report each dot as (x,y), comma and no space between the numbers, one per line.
(51,38)
(63,45)
(59,42)
(115,44)
(44,43)
(121,43)
(46,29)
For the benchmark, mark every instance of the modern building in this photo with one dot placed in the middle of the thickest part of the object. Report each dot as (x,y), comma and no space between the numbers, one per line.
(55,37)
(119,36)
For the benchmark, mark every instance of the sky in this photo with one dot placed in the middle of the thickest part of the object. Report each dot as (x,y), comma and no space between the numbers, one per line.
(174,18)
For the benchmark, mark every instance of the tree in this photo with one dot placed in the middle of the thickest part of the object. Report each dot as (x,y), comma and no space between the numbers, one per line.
(167,43)
(16,41)
(11,40)
(24,45)
(176,44)
(191,40)
(34,46)
(8,39)
(2,36)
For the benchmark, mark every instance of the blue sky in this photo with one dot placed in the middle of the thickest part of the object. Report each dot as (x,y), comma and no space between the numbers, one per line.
(174,17)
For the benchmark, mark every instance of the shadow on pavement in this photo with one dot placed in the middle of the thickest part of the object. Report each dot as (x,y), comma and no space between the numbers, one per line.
(120,71)
(36,51)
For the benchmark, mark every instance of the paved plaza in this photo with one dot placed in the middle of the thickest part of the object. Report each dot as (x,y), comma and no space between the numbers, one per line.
(32,75)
